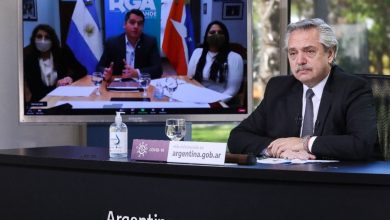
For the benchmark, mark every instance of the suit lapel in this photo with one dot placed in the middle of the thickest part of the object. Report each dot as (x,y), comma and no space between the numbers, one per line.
(323,112)
(122,48)
(325,106)
(294,108)
(138,51)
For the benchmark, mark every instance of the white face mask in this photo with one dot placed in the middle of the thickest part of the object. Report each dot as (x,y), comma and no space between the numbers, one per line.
(43,45)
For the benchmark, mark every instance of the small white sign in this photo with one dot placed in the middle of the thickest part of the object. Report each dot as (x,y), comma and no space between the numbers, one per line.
(196,152)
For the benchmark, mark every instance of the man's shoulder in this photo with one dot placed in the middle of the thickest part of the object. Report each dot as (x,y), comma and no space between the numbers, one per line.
(148,38)
(283,84)
(282,79)
(116,38)
(342,77)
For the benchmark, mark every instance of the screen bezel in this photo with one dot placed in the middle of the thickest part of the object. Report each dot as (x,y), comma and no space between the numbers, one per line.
(197,118)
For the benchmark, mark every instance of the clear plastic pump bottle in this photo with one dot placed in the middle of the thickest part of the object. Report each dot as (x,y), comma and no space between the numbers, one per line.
(118,138)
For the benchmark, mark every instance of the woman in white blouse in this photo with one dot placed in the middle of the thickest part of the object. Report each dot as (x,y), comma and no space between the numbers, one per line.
(214,64)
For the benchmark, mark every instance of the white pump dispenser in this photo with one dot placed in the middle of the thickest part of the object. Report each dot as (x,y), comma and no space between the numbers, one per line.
(118,138)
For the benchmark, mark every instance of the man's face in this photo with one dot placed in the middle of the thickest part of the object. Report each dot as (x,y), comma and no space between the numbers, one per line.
(309,62)
(134,27)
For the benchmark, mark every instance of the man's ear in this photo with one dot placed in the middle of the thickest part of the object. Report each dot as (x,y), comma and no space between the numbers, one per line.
(331,55)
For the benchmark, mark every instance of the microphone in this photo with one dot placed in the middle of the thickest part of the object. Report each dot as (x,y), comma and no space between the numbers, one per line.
(241,159)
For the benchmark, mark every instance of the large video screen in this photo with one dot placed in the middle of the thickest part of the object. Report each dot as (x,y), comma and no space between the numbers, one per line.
(188,59)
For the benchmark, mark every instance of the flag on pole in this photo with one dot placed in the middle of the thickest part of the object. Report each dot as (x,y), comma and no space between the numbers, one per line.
(84,36)
(178,43)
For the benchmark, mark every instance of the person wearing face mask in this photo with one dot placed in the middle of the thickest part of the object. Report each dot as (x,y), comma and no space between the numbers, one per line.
(47,64)
(214,65)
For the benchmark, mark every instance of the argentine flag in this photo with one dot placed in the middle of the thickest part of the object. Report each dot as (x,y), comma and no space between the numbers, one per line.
(84,36)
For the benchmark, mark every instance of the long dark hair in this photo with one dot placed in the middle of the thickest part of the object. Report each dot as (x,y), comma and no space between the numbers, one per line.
(220,60)
(55,42)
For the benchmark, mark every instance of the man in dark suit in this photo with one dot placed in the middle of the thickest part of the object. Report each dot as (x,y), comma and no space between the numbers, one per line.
(132,52)
(336,121)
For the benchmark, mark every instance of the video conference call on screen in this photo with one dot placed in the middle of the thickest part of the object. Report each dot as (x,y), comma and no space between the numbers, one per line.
(60,59)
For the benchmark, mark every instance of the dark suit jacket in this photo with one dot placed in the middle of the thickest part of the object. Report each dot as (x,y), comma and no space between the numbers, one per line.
(65,63)
(345,126)
(147,56)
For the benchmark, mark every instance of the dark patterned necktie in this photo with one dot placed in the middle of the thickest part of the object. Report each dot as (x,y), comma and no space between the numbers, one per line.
(307,128)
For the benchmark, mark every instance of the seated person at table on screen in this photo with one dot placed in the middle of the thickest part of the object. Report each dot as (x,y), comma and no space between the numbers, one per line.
(132,52)
(47,64)
(214,65)
(319,111)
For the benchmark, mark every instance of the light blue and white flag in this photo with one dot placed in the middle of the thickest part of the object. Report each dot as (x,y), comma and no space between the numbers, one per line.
(84,36)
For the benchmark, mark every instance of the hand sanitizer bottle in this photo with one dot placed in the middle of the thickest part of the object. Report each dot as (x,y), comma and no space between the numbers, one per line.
(118,138)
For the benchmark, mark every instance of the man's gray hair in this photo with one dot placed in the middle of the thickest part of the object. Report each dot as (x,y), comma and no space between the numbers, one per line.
(327,34)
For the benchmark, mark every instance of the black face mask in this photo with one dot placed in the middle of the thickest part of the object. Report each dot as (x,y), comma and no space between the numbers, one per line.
(216,40)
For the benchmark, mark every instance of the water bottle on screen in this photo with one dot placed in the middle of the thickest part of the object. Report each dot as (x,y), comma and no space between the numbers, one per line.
(97,78)
(171,85)
(175,128)
(144,81)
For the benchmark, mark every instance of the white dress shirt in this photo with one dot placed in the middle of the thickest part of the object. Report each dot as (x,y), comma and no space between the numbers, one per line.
(234,75)
(48,75)
(317,89)
(130,53)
